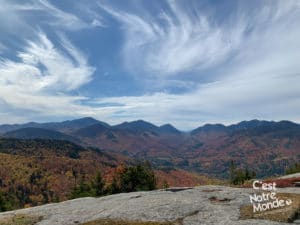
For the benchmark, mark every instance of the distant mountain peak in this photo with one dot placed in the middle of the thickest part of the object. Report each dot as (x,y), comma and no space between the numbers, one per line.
(92,131)
(38,133)
(251,123)
(168,128)
(210,128)
(85,119)
(141,122)
(245,125)
(64,126)
(136,126)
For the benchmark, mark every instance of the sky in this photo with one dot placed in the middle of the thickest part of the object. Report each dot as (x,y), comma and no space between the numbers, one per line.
(182,62)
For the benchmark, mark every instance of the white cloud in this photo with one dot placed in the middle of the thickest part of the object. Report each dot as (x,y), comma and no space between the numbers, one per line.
(228,101)
(19,15)
(41,73)
(252,57)
(42,66)
(178,41)
(63,18)
(97,23)
(248,62)
(36,83)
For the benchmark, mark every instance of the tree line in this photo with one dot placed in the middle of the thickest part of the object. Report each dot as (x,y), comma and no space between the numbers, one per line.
(139,177)
(293,169)
(238,176)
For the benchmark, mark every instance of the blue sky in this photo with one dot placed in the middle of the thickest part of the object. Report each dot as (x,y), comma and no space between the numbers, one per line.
(183,62)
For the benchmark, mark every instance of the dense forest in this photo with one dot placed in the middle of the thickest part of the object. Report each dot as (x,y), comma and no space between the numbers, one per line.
(35,172)
(36,190)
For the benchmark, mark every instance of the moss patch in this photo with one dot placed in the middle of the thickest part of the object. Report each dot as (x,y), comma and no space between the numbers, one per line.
(285,214)
(21,220)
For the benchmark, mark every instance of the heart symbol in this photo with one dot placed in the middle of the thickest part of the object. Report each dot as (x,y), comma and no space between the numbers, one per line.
(288,202)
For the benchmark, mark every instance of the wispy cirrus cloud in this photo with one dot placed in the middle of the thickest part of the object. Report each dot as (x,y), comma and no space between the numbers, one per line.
(65,19)
(250,60)
(41,77)
(192,62)
(187,39)
(175,40)
(20,15)
(43,67)
(38,76)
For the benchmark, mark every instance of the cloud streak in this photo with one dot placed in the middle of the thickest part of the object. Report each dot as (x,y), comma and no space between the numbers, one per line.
(42,66)
(18,15)
(175,40)
(40,76)
(250,61)
(229,65)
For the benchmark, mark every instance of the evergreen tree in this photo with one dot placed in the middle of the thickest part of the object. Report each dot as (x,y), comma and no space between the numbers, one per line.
(98,185)
(165,184)
(138,178)
(232,170)
(82,190)
(293,169)
(114,187)
(75,174)
(239,176)
(2,203)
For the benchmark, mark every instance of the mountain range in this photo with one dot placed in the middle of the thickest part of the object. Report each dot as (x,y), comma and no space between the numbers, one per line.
(267,147)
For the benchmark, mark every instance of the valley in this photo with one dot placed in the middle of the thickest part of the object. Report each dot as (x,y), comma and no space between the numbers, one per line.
(45,162)
(271,146)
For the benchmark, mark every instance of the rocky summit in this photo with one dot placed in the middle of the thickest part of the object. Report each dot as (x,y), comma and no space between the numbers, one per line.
(182,206)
